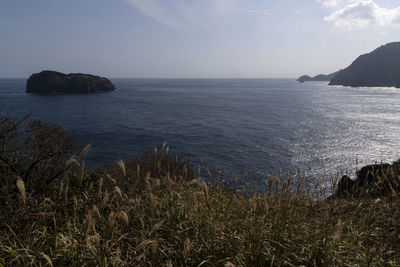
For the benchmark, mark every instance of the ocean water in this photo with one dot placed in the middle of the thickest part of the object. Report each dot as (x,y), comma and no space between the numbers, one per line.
(264,126)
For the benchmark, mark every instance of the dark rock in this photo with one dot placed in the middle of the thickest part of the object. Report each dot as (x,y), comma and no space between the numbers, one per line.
(381,67)
(376,180)
(367,175)
(345,185)
(319,77)
(56,82)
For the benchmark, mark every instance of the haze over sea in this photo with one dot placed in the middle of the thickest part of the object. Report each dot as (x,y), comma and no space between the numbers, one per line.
(263,126)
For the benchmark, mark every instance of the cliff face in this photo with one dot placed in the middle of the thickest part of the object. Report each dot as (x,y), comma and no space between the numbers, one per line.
(56,82)
(381,67)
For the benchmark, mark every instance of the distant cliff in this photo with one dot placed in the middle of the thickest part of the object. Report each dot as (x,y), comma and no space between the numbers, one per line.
(319,77)
(57,82)
(381,67)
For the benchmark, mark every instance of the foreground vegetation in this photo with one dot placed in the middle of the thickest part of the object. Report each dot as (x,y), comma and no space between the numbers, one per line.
(156,210)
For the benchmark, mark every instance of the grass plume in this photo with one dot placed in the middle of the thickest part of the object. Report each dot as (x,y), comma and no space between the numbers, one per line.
(21,189)
(160,212)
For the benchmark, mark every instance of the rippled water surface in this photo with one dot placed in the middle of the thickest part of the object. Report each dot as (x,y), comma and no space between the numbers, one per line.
(262,125)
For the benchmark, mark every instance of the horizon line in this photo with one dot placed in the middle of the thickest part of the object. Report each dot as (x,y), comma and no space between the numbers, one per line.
(180,78)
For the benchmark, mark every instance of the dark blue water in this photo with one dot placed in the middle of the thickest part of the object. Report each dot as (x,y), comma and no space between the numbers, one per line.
(261,125)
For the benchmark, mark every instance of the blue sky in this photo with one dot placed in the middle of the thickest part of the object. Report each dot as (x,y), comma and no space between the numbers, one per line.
(191,38)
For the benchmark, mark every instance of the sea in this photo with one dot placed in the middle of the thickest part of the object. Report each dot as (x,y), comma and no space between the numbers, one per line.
(247,127)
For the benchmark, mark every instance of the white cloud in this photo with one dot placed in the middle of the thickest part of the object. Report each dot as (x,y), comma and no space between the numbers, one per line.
(223,4)
(329,3)
(362,13)
(190,15)
(183,14)
(156,11)
(263,12)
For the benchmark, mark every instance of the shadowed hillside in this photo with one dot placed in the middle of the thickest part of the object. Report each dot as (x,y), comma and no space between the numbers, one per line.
(381,67)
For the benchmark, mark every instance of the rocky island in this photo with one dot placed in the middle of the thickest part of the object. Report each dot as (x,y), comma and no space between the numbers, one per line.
(77,83)
(319,77)
(379,68)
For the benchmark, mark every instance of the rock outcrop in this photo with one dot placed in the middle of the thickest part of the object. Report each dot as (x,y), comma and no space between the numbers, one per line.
(375,180)
(379,68)
(57,82)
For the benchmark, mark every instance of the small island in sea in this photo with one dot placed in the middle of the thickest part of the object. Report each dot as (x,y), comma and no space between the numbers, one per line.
(317,78)
(77,83)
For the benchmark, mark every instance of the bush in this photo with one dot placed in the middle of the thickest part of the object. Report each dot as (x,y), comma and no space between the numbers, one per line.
(37,154)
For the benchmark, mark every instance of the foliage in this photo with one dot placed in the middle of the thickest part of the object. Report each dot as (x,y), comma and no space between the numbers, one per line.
(156,210)
(37,155)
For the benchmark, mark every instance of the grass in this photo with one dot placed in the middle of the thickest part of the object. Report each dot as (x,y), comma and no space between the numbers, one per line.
(156,210)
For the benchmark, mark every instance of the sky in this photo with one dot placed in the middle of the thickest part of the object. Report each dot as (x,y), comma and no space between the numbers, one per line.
(191,38)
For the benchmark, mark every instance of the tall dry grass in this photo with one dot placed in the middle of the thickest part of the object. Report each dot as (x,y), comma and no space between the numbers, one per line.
(156,210)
